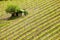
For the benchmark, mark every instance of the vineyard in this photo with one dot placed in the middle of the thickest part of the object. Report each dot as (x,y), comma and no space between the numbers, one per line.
(41,23)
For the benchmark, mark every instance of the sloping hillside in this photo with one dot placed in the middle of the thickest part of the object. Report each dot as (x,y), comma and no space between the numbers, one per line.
(42,22)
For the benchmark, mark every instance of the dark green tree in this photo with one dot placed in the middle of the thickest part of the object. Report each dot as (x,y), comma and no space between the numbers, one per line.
(16,11)
(12,9)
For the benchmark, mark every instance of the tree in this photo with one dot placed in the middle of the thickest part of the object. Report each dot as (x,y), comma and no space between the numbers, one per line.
(16,11)
(12,9)
(22,12)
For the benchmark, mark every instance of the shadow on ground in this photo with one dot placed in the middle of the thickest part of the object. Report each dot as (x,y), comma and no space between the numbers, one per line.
(12,18)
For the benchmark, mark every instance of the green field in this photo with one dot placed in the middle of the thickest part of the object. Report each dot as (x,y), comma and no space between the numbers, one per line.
(41,23)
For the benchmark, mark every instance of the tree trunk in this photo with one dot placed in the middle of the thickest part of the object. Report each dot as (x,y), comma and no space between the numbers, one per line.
(16,14)
(23,14)
(13,14)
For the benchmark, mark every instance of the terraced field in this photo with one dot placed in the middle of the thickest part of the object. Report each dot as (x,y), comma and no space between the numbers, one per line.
(42,22)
